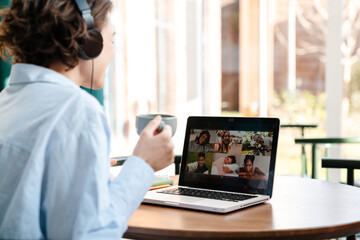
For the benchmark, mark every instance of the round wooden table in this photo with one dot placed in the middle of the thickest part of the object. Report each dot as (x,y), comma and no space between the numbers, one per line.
(300,208)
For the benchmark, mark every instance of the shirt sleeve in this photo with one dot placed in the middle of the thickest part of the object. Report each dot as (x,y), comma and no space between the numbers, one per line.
(129,187)
(79,200)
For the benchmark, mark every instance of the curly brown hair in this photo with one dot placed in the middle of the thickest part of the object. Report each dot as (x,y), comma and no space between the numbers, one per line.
(43,32)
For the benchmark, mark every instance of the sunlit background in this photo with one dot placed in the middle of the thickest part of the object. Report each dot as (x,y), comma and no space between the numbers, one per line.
(297,60)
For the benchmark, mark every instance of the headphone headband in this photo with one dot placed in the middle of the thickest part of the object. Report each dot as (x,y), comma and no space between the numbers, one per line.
(85,10)
(91,47)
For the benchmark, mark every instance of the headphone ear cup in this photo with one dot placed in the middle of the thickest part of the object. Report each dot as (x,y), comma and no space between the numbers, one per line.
(92,46)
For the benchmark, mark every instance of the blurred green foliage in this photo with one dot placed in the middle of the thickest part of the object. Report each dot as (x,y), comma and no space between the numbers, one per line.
(354,90)
(300,107)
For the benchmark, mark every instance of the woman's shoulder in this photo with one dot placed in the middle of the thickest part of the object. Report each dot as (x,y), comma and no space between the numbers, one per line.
(81,111)
(258,171)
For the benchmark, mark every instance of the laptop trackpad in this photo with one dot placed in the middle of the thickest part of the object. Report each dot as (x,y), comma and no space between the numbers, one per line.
(180,199)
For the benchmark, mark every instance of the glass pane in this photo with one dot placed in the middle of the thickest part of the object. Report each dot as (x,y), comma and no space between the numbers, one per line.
(351,54)
(229,57)
(299,75)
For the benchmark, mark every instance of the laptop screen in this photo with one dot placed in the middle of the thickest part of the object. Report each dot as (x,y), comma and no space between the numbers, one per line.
(230,153)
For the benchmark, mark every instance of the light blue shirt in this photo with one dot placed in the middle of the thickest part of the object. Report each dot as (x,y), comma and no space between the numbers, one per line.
(54,163)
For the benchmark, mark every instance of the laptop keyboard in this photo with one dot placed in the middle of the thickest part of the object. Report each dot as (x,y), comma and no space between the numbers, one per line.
(233,197)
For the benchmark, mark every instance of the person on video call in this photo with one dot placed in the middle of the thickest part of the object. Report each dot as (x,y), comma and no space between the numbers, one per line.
(198,166)
(201,143)
(261,147)
(248,171)
(255,139)
(225,166)
(225,144)
(54,137)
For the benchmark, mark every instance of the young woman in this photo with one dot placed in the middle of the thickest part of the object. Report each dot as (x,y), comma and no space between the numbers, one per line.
(249,171)
(225,144)
(54,137)
(225,166)
(201,143)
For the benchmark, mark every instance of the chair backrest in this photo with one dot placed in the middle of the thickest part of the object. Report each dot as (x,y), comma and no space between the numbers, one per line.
(349,164)
(324,141)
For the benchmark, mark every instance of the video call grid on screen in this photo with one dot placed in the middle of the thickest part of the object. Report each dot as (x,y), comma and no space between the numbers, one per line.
(244,154)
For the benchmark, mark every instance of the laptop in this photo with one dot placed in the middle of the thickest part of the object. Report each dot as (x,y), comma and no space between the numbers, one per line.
(227,164)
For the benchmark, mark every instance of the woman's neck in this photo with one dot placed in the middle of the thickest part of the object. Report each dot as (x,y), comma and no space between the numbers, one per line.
(73,74)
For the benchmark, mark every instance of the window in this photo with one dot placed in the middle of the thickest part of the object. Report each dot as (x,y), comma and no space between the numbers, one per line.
(235,57)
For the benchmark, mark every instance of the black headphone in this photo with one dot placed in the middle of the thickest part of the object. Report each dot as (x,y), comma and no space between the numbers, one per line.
(92,46)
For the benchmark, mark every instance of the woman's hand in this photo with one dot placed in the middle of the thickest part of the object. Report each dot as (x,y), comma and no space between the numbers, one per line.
(227,170)
(113,162)
(157,149)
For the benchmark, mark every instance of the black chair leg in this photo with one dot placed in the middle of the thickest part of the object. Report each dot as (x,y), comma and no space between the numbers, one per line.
(350,176)
(351,237)
(177,164)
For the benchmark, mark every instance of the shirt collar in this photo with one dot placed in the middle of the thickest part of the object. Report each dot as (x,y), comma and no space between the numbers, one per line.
(22,73)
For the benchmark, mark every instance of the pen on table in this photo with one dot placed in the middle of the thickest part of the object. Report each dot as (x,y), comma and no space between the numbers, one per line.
(160,186)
